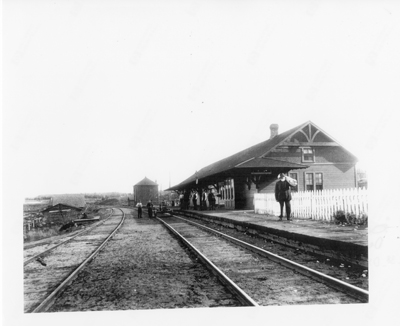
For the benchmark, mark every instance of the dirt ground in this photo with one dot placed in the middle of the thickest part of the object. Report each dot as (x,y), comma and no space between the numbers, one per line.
(143,267)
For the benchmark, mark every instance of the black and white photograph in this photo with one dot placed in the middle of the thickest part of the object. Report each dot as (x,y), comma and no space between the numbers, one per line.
(200,162)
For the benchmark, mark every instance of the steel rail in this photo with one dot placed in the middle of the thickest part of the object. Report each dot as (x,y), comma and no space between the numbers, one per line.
(243,297)
(29,260)
(49,300)
(352,290)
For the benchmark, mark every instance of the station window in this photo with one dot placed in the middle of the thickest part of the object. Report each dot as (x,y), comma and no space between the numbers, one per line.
(307,154)
(309,179)
(294,176)
(319,181)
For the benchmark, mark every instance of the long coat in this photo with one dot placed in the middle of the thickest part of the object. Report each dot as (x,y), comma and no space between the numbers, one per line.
(282,191)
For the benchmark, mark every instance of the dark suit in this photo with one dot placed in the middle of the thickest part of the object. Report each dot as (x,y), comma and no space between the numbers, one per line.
(150,209)
(194,199)
(283,196)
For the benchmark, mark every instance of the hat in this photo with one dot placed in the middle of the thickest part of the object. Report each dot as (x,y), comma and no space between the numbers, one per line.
(281,175)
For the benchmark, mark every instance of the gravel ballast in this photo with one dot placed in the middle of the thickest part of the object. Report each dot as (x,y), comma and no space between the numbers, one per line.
(143,267)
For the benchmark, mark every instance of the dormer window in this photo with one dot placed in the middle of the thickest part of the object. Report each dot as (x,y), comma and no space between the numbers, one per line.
(307,154)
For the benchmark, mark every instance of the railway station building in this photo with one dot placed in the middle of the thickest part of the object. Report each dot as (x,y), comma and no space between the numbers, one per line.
(144,191)
(306,153)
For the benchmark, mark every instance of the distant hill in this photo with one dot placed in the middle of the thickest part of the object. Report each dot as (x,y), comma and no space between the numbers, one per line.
(71,200)
(104,195)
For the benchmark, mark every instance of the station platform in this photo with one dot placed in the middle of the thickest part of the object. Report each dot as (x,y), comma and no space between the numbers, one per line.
(348,243)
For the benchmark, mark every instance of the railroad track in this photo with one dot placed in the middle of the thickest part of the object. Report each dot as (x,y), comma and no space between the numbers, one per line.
(46,277)
(259,277)
(334,265)
(35,252)
(144,267)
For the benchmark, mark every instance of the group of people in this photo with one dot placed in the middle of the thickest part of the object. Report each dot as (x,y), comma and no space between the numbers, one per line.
(282,195)
(185,199)
(150,210)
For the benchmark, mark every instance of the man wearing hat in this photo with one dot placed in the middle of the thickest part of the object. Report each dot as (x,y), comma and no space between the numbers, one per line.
(283,194)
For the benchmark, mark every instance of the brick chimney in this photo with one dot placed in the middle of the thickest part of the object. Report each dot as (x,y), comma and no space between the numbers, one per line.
(274,130)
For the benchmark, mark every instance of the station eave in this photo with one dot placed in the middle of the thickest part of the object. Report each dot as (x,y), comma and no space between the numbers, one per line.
(249,166)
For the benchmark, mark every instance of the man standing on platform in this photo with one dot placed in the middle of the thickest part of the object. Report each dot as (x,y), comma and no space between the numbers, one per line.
(211,200)
(194,199)
(204,200)
(283,193)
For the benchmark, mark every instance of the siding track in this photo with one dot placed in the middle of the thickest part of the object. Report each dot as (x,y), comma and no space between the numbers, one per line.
(35,252)
(42,284)
(265,278)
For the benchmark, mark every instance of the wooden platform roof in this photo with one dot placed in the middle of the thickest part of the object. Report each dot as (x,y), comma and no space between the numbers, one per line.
(252,158)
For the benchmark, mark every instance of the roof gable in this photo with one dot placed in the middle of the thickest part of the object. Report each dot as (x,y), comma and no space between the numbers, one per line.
(311,135)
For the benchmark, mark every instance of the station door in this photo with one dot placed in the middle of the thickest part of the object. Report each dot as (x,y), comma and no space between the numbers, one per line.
(228,194)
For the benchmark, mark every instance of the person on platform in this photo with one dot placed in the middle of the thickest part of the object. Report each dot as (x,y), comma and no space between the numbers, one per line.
(204,200)
(194,199)
(214,200)
(186,200)
(283,194)
(211,200)
(139,209)
(150,209)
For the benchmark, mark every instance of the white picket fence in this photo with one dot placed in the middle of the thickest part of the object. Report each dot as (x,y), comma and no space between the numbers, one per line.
(317,205)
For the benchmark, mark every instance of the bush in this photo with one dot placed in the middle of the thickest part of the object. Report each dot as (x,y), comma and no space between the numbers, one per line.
(362,219)
(340,217)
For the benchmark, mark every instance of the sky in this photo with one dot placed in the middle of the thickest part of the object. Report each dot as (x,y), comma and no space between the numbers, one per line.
(98,95)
